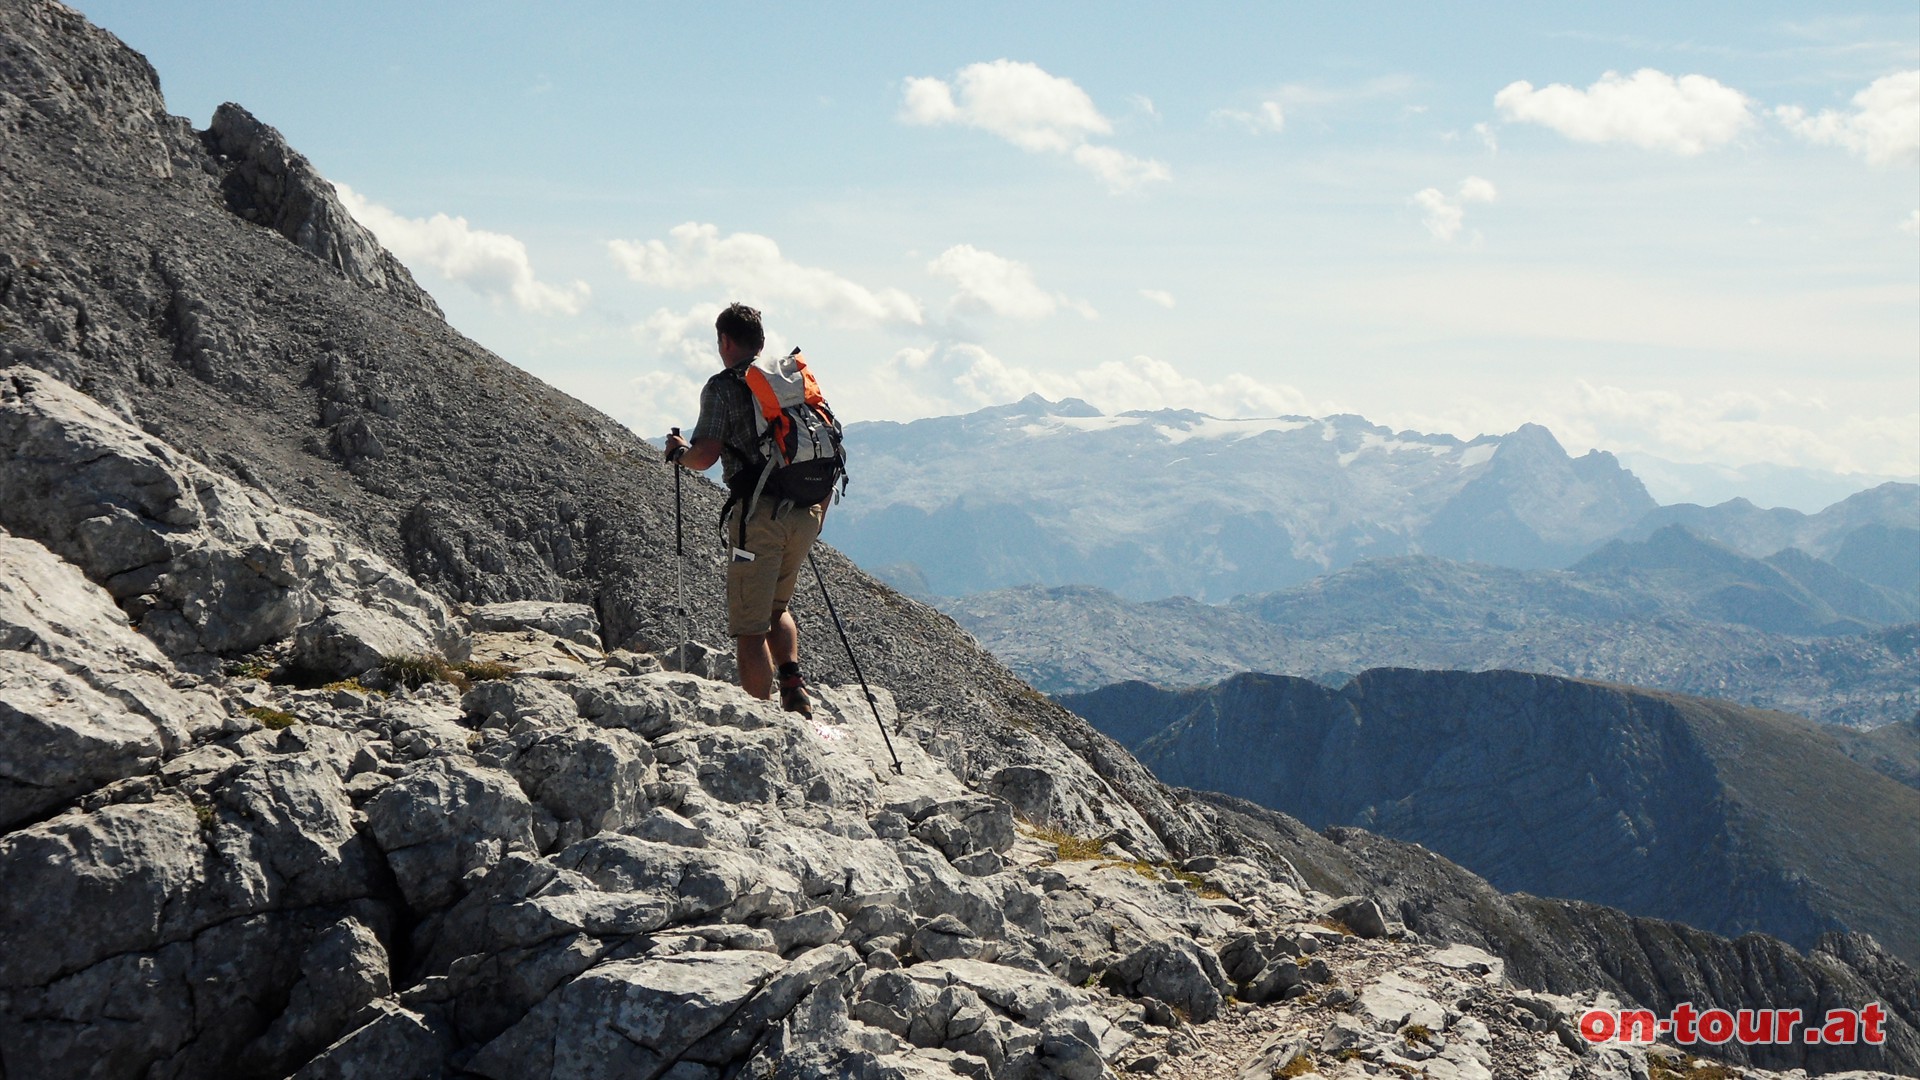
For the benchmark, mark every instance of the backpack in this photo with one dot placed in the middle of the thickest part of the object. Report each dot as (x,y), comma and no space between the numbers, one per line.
(800,458)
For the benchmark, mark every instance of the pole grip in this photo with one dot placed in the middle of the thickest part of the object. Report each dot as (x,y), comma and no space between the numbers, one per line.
(679,543)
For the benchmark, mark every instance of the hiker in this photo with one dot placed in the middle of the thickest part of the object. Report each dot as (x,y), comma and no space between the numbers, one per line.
(769,530)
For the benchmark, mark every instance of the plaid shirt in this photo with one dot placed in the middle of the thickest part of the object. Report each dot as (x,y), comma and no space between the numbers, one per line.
(727,412)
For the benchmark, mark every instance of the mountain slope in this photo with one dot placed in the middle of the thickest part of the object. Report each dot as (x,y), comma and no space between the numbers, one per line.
(1789,592)
(209,287)
(1726,818)
(1759,532)
(1152,504)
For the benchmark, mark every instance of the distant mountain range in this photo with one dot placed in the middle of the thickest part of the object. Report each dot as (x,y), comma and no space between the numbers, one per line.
(1726,818)
(1674,612)
(1792,486)
(1173,503)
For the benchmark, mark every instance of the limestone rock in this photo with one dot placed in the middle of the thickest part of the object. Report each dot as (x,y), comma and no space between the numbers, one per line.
(205,565)
(396,1044)
(443,819)
(1357,913)
(533,652)
(627,1018)
(576,623)
(519,701)
(59,738)
(270,184)
(1177,971)
(88,700)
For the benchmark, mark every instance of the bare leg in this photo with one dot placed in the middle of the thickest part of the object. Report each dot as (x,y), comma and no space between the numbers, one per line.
(783,642)
(756,666)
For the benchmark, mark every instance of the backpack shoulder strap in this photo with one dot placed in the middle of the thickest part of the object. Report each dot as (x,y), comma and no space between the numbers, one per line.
(733,381)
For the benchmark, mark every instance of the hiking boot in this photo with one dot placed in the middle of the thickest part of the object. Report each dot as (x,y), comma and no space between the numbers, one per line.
(793,696)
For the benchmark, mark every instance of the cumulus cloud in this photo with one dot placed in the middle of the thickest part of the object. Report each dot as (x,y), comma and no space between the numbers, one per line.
(1269,117)
(1649,108)
(989,282)
(1729,427)
(686,336)
(1159,296)
(493,264)
(1883,126)
(1032,109)
(1740,427)
(955,376)
(1445,215)
(660,401)
(681,344)
(751,266)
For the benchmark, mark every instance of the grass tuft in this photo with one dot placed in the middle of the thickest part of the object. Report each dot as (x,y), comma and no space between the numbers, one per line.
(247,669)
(1298,1065)
(1068,847)
(484,670)
(272,719)
(1691,1069)
(1417,1033)
(414,670)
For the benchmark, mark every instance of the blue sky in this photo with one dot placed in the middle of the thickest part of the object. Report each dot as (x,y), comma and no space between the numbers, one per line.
(1691,231)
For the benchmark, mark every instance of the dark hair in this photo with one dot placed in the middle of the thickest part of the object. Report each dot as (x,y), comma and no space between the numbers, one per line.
(742,324)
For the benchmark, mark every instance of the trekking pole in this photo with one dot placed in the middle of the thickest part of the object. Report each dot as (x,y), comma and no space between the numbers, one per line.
(872,702)
(679,554)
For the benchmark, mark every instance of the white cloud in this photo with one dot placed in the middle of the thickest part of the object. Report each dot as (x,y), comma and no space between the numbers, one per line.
(1121,171)
(662,400)
(1883,126)
(1320,95)
(1650,109)
(688,337)
(1159,296)
(751,267)
(955,377)
(1738,428)
(493,264)
(1269,117)
(1445,216)
(1911,226)
(1035,111)
(1778,426)
(682,343)
(989,282)
(1485,131)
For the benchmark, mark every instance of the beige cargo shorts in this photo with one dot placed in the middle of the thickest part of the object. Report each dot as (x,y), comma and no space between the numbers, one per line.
(760,589)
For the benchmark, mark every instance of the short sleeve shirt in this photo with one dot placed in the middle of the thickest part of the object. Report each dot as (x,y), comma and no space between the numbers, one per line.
(726,413)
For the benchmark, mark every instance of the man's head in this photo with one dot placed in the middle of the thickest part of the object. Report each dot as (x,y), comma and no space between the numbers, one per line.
(740,325)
